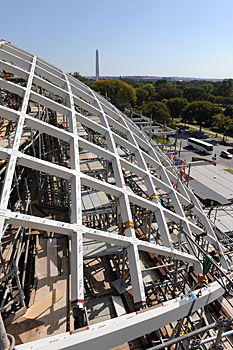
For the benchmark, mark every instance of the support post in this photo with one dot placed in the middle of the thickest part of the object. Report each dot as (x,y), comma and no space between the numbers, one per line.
(188,174)
(77,285)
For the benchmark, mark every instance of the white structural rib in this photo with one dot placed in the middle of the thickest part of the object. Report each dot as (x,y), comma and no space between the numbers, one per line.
(105,335)
(77,285)
(13,157)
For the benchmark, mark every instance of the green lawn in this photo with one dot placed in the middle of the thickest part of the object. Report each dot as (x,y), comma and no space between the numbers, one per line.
(229,170)
(160,140)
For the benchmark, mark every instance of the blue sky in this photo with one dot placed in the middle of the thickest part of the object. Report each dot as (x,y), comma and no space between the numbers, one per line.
(152,37)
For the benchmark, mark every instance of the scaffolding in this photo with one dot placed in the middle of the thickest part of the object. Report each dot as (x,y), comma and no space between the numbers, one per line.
(81,178)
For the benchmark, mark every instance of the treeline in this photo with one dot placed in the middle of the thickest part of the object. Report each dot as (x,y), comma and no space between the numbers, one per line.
(209,104)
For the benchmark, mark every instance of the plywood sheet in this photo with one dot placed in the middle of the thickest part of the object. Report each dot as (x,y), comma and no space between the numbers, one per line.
(52,254)
(25,330)
(44,304)
(103,198)
(95,199)
(124,346)
(55,318)
(87,203)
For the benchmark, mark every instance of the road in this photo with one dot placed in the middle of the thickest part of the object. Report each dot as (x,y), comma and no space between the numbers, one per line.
(187,152)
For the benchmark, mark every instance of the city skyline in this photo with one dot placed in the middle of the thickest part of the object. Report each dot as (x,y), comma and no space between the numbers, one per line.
(153,38)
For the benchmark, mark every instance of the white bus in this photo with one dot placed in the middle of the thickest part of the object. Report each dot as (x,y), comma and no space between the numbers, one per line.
(200,145)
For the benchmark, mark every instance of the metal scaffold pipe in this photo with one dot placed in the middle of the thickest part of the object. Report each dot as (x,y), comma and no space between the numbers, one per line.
(183,337)
(207,340)
(221,324)
(4,342)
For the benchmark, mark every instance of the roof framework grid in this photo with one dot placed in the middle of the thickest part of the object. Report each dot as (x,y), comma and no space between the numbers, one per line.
(63,106)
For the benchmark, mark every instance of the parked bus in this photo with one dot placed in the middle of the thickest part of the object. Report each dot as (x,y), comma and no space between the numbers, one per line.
(200,145)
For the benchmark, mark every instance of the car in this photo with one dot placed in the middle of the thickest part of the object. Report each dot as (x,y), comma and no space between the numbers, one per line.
(198,135)
(212,141)
(180,128)
(226,154)
(230,150)
(224,143)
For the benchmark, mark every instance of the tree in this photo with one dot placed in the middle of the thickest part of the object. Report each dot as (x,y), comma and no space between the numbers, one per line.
(209,88)
(161,82)
(176,106)
(187,114)
(79,77)
(225,101)
(201,111)
(192,93)
(222,122)
(158,111)
(149,88)
(229,111)
(134,83)
(141,95)
(168,91)
(121,94)
(223,88)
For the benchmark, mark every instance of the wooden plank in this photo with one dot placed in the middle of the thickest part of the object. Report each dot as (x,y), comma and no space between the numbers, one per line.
(44,304)
(124,346)
(82,155)
(95,199)
(89,155)
(6,245)
(95,166)
(91,165)
(96,277)
(55,318)
(129,301)
(94,118)
(15,316)
(52,257)
(141,185)
(103,198)
(83,167)
(25,330)
(87,203)
(42,269)
(226,306)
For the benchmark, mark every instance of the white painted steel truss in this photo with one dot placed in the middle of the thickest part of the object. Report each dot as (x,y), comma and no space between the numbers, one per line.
(116,331)
(74,102)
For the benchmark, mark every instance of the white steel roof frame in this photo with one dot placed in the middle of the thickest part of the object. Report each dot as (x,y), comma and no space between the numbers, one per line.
(74,93)
(107,334)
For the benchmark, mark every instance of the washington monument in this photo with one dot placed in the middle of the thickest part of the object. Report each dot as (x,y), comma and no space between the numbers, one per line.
(97,66)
